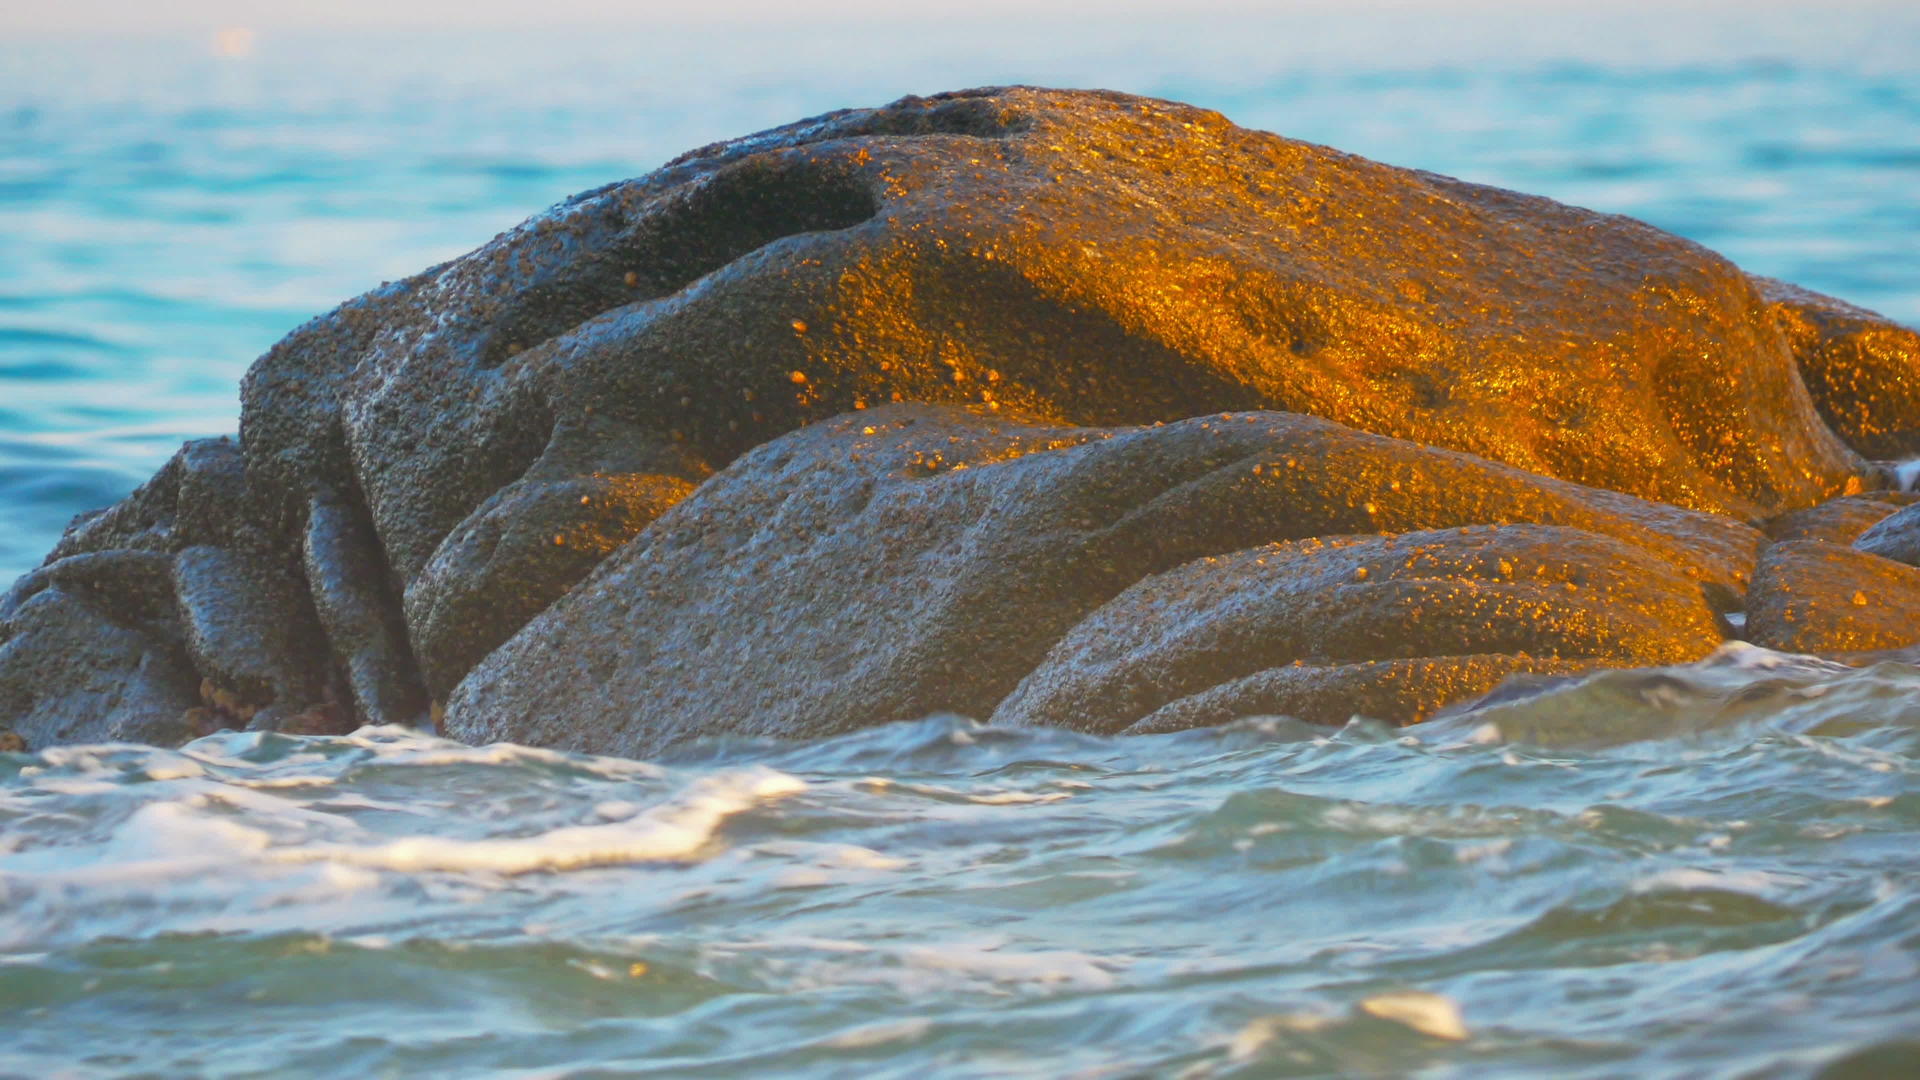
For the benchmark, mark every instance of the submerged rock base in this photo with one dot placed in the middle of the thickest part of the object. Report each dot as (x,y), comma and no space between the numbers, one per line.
(1056,407)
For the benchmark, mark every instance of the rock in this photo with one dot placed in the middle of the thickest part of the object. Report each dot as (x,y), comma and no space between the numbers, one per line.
(1826,599)
(359,613)
(918,559)
(436,465)
(1838,521)
(1087,257)
(522,547)
(1859,367)
(248,627)
(89,654)
(170,615)
(1391,627)
(1896,537)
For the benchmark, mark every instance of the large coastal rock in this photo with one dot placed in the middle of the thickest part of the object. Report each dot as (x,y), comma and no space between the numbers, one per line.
(431,466)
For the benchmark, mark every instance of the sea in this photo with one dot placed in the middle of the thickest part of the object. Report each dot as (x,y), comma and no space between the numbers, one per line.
(1704,871)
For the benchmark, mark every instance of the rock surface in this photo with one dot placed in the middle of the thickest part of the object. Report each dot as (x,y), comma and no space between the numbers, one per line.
(1893,536)
(423,471)
(916,559)
(1396,626)
(1841,520)
(1858,366)
(1813,597)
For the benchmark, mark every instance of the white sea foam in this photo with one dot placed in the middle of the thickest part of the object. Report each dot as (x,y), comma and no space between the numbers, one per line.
(274,783)
(830,856)
(676,829)
(1251,1041)
(1746,656)
(1002,797)
(405,746)
(171,830)
(1427,1013)
(1016,798)
(1690,878)
(1907,473)
(994,965)
(1051,968)
(175,768)
(905,1029)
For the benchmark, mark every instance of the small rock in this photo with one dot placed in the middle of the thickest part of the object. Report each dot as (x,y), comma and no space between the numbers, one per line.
(1826,599)
(1895,537)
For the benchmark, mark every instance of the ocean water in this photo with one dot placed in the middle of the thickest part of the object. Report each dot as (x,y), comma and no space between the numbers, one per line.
(1708,871)
(1724,887)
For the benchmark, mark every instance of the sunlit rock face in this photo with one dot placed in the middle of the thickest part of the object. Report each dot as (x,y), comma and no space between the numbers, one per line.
(1833,600)
(429,467)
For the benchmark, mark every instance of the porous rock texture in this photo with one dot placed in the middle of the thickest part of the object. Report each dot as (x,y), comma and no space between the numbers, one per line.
(1843,520)
(1893,534)
(1832,600)
(916,558)
(421,474)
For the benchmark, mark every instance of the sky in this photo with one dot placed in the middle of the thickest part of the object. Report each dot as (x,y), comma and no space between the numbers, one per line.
(143,15)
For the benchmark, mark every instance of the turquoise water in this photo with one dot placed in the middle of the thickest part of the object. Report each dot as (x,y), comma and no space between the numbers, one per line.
(1730,892)
(1721,883)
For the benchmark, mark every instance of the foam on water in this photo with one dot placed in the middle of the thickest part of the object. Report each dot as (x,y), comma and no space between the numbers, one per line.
(1908,474)
(677,829)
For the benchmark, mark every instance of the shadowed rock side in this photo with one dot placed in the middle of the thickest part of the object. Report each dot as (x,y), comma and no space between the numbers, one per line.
(174,614)
(915,559)
(1894,535)
(1839,521)
(425,469)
